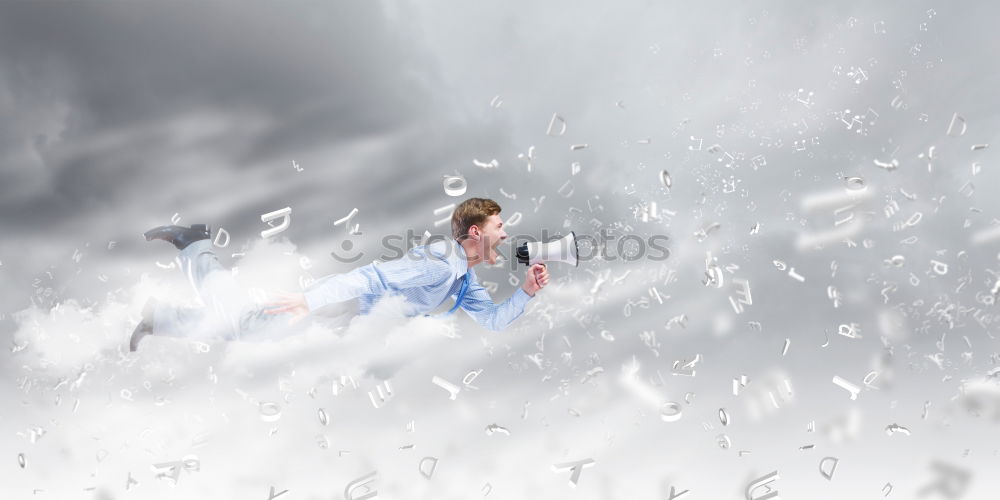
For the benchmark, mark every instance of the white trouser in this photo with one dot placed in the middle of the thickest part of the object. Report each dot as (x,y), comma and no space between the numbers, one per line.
(229,313)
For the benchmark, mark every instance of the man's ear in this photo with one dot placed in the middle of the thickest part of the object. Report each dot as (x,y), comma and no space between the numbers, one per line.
(467,236)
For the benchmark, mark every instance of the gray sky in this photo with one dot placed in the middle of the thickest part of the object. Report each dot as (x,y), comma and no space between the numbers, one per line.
(120,115)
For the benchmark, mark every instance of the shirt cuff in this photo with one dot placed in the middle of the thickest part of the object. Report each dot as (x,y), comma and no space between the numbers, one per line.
(521,297)
(314,299)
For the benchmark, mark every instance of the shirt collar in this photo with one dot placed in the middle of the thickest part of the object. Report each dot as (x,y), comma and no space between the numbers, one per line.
(450,251)
(460,260)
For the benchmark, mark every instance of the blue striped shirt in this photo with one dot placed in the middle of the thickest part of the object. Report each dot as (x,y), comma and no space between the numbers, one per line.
(426,276)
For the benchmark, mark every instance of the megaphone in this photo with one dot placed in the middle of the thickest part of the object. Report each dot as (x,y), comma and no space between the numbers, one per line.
(562,250)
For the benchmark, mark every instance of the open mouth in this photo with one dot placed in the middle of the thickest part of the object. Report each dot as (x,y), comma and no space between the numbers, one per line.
(495,252)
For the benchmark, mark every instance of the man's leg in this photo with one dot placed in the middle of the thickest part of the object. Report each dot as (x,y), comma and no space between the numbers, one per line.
(336,316)
(258,325)
(228,313)
(178,321)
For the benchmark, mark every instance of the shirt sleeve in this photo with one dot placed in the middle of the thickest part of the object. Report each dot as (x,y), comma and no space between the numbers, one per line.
(478,304)
(413,270)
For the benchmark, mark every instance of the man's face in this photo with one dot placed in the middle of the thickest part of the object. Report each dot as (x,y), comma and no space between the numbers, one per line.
(492,235)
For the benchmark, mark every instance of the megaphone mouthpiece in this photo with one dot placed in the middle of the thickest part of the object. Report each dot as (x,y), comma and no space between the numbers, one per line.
(522,253)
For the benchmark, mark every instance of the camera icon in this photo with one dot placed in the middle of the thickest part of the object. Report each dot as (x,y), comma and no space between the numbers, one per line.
(347,254)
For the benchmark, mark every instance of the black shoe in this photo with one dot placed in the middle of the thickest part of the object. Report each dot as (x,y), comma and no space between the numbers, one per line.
(145,327)
(180,236)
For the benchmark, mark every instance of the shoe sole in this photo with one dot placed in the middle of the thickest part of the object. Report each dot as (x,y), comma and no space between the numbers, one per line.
(157,232)
(147,319)
(151,234)
(137,335)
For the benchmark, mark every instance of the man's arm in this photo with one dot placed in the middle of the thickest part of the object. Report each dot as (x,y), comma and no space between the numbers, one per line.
(493,316)
(407,272)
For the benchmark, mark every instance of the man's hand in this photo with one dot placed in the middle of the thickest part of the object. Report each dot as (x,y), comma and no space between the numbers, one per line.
(287,302)
(535,279)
